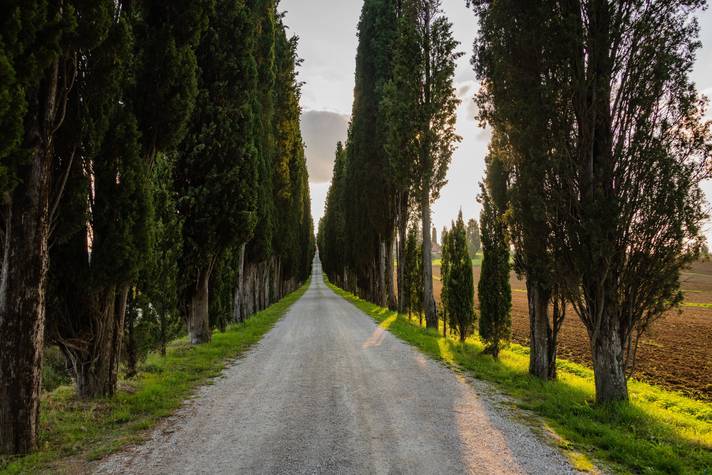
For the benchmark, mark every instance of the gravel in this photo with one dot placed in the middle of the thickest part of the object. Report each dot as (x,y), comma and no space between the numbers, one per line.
(328,391)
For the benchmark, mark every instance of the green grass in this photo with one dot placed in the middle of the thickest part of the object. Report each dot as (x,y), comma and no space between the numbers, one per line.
(658,432)
(697,304)
(75,431)
(476,261)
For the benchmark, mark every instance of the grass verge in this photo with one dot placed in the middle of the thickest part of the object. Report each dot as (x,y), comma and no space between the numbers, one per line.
(74,431)
(660,431)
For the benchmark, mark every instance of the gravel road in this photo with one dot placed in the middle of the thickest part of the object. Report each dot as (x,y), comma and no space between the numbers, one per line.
(328,391)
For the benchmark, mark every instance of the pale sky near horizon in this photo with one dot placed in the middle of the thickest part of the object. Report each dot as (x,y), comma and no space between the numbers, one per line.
(328,42)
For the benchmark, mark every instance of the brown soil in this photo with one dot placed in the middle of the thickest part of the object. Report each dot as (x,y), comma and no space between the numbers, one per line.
(677,352)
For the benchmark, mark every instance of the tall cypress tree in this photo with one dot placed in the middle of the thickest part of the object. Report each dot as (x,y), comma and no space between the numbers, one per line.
(413,273)
(259,251)
(96,268)
(459,283)
(369,209)
(434,132)
(399,103)
(599,112)
(521,99)
(217,166)
(473,237)
(494,291)
(445,252)
(41,43)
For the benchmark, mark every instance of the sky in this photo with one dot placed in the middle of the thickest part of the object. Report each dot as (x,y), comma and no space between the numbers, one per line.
(327,45)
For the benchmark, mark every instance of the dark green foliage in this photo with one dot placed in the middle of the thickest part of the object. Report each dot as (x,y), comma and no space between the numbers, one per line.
(54,369)
(145,176)
(458,280)
(445,258)
(413,273)
(493,289)
(598,109)
(167,34)
(473,237)
(424,75)
(41,46)
(369,207)
(217,165)
(153,318)
(399,146)
(332,234)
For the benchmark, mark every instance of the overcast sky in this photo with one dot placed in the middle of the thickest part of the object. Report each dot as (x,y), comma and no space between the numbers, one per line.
(327,32)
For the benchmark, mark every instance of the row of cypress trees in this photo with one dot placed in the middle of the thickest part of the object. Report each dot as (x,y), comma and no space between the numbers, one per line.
(599,147)
(153,177)
(400,142)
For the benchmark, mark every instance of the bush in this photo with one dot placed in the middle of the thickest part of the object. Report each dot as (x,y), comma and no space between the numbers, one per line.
(54,369)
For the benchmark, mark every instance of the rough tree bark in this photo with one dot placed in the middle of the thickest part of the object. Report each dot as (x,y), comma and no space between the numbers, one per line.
(431,316)
(402,224)
(382,274)
(23,275)
(237,303)
(96,364)
(22,306)
(540,332)
(198,321)
(609,363)
(390,291)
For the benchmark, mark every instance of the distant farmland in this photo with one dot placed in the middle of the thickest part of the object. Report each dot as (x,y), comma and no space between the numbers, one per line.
(676,354)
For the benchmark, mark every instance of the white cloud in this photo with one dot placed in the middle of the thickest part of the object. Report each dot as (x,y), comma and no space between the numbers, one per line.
(321,130)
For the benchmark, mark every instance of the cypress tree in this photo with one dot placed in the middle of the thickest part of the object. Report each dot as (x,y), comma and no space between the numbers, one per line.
(428,56)
(257,258)
(459,283)
(413,273)
(369,208)
(40,45)
(473,237)
(332,232)
(511,66)
(445,258)
(98,267)
(400,100)
(152,317)
(217,166)
(494,291)
(621,159)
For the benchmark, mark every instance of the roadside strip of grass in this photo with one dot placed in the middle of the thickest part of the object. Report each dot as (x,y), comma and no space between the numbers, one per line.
(697,304)
(658,432)
(74,432)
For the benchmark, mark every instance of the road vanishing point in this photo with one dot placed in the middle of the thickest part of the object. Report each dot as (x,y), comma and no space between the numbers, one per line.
(327,390)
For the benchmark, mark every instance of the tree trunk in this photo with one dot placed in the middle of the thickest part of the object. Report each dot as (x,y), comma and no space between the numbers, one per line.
(23,281)
(118,336)
(402,224)
(198,321)
(390,291)
(609,363)
(540,331)
(22,307)
(431,316)
(131,357)
(382,278)
(96,368)
(163,336)
(236,310)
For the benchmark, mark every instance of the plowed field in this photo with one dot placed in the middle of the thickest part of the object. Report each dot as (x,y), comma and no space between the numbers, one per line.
(677,353)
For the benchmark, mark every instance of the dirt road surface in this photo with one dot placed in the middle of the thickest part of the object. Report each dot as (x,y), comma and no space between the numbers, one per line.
(328,391)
